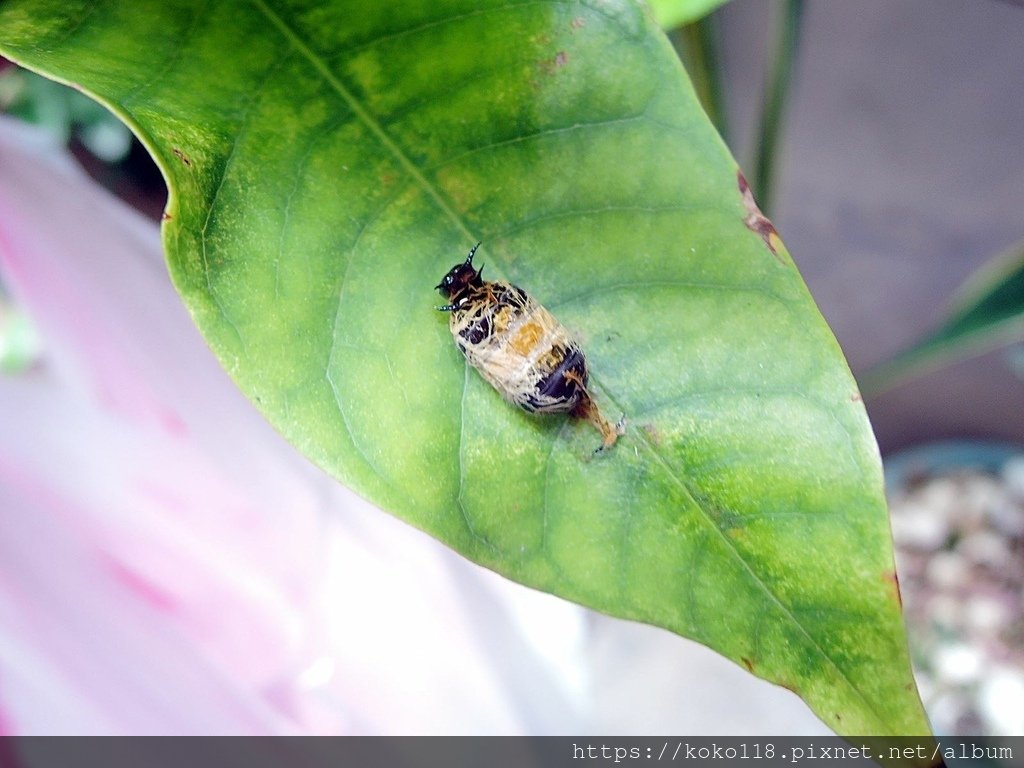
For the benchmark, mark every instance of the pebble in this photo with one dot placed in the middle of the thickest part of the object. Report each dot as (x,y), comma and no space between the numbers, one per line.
(919,527)
(1001,702)
(1007,517)
(945,611)
(988,613)
(977,495)
(986,548)
(946,711)
(958,663)
(1013,476)
(938,495)
(960,553)
(947,570)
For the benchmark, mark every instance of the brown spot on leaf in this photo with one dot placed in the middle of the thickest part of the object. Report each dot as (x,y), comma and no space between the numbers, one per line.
(894,581)
(756,221)
(747,663)
(855,397)
(165,216)
(183,157)
(578,23)
(550,66)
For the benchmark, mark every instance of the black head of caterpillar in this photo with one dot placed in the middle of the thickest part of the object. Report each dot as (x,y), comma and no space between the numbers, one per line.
(519,347)
(460,280)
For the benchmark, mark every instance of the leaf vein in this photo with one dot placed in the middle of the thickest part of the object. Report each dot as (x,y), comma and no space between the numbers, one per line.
(76,26)
(542,133)
(177,55)
(335,344)
(445,20)
(300,167)
(647,284)
(580,212)
(222,175)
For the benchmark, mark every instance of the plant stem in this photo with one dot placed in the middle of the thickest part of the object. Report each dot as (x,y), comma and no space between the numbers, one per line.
(776,94)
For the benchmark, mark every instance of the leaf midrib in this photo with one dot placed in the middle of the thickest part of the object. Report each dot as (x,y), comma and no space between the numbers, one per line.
(434,193)
(365,117)
(681,484)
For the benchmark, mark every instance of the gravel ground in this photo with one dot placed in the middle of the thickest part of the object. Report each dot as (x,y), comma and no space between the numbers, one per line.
(960,556)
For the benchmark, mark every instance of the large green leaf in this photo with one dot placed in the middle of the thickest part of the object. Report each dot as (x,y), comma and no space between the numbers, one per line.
(329,161)
(987,313)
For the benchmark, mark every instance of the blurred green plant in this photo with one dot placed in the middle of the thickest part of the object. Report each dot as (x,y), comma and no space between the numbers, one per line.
(19,340)
(693,29)
(671,14)
(64,113)
(986,313)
